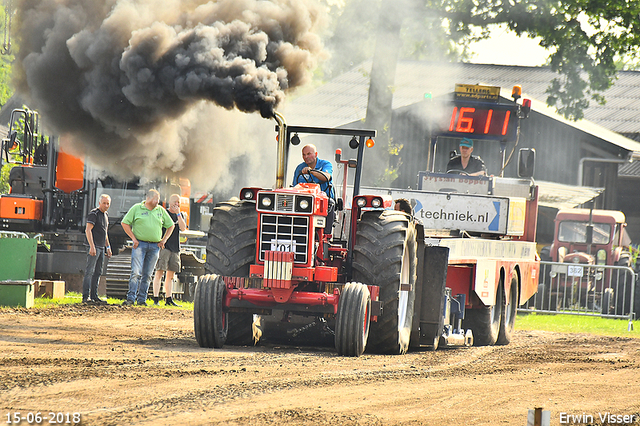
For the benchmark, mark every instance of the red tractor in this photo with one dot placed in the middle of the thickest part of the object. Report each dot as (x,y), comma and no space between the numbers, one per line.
(269,258)
(588,240)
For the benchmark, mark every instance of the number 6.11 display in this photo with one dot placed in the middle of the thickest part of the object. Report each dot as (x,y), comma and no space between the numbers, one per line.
(492,121)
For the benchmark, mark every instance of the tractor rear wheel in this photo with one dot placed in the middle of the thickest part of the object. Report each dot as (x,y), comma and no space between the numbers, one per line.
(209,319)
(231,245)
(352,322)
(384,255)
(485,321)
(509,311)
(231,249)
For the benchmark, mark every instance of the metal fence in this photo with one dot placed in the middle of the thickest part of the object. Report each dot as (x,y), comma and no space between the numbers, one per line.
(579,289)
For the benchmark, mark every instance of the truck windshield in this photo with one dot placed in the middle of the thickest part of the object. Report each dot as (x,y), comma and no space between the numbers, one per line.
(571,231)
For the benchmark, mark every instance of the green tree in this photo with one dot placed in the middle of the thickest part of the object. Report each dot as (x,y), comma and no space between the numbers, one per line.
(6,90)
(6,59)
(588,40)
(4,178)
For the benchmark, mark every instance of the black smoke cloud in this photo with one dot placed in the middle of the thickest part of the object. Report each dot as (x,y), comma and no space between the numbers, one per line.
(129,82)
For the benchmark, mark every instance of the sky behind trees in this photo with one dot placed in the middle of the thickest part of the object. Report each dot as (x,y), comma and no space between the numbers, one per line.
(506,48)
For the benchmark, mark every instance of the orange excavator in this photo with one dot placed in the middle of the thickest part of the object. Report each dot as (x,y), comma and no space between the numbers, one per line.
(51,193)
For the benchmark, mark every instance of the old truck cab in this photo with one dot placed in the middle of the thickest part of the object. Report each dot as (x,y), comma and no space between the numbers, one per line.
(593,237)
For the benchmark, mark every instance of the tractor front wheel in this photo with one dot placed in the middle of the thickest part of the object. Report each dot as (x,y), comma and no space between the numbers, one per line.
(209,319)
(231,249)
(352,322)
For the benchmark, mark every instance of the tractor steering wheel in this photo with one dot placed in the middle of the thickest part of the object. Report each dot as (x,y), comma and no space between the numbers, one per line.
(304,176)
(458,172)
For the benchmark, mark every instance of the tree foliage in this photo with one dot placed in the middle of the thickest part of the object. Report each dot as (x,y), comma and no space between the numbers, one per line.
(587,39)
(6,59)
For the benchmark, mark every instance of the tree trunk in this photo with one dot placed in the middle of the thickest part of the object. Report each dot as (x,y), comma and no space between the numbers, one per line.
(383,73)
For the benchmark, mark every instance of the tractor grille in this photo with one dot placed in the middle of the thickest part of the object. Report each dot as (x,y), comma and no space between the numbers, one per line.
(285,233)
(285,202)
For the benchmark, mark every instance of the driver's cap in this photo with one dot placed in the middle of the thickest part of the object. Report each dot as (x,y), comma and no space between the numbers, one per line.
(466,142)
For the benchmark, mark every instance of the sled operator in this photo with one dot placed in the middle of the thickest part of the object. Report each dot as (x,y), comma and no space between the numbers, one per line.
(465,163)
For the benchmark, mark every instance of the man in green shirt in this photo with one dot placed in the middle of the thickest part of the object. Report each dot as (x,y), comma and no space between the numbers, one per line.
(143,223)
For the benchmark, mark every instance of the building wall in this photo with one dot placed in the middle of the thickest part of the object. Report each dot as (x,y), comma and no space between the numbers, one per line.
(629,203)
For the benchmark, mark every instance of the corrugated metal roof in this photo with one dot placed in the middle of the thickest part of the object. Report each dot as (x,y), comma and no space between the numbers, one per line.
(629,169)
(560,196)
(414,79)
(588,127)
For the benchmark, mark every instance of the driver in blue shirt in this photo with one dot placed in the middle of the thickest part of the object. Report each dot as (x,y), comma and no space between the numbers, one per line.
(317,170)
(314,170)
(465,163)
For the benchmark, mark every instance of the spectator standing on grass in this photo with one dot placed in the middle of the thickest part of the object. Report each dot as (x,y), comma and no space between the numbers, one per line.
(169,260)
(143,223)
(97,234)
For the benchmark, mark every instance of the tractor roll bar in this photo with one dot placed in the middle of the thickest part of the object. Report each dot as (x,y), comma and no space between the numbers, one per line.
(284,141)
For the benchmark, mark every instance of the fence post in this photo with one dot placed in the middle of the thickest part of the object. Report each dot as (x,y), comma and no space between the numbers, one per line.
(538,417)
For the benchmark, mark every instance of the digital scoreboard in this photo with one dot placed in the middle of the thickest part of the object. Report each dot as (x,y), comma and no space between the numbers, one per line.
(476,113)
(466,119)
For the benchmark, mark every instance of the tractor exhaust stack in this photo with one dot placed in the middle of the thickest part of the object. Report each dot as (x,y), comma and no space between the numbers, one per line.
(283,147)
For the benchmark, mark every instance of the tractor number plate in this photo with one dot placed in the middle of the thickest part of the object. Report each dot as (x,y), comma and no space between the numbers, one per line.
(283,245)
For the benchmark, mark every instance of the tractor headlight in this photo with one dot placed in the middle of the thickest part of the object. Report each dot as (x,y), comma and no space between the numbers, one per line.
(361,202)
(247,194)
(376,202)
(266,201)
(304,204)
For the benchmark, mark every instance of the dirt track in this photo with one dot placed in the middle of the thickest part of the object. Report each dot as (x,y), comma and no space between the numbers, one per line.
(120,366)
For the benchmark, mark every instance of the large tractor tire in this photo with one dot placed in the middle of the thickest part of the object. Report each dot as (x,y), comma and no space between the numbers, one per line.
(485,321)
(509,312)
(384,255)
(352,322)
(231,245)
(231,249)
(209,319)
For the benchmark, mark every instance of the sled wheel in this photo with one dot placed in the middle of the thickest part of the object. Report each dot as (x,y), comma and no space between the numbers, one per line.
(485,321)
(509,311)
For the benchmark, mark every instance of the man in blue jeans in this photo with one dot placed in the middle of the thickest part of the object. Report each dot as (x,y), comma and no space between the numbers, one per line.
(143,223)
(98,241)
